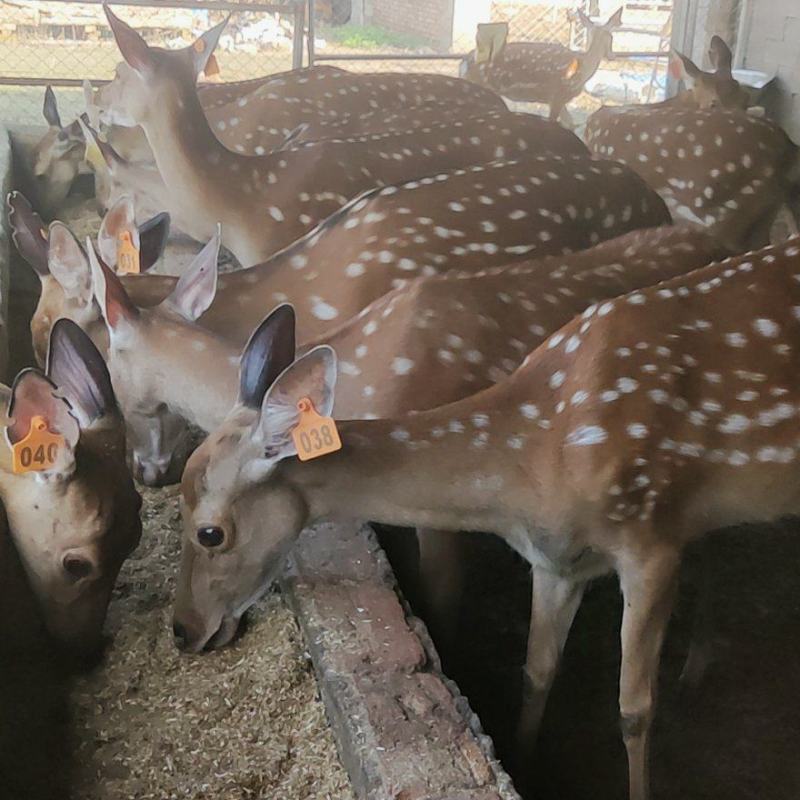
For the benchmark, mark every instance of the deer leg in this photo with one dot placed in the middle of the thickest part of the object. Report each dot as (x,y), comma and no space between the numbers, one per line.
(648,586)
(554,603)
(441,579)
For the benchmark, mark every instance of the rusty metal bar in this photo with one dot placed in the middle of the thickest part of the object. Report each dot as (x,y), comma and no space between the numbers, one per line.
(622,56)
(199,5)
(297,34)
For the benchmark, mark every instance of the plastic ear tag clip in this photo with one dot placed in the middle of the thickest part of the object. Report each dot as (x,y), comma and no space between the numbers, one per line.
(38,451)
(94,157)
(127,255)
(572,69)
(314,435)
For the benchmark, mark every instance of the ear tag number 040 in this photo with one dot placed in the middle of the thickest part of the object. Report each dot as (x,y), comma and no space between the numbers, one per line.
(38,451)
(127,255)
(314,435)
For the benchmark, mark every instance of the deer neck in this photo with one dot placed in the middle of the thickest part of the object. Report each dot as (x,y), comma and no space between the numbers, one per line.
(189,156)
(590,60)
(419,481)
(197,373)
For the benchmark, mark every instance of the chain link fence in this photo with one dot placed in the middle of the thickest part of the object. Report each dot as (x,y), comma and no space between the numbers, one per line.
(63,43)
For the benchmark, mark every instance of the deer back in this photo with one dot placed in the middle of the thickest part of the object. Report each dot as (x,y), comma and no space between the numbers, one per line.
(723,170)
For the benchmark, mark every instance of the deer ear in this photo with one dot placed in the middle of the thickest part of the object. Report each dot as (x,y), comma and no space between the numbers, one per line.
(75,365)
(119,219)
(50,108)
(313,376)
(690,70)
(117,308)
(133,48)
(28,232)
(269,351)
(721,56)
(153,236)
(615,21)
(195,290)
(585,20)
(34,395)
(203,47)
(68,264)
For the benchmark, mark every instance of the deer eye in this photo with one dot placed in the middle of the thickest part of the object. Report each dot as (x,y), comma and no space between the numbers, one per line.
(210,536)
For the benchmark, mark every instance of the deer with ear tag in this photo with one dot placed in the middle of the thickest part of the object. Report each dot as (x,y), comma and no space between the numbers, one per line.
(265,203)
(711,89)
(61,265)
(71,505)
(430,342)
(646,422)
(466,219)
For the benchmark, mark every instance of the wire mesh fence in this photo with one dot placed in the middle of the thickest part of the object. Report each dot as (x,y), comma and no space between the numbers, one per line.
(64,43)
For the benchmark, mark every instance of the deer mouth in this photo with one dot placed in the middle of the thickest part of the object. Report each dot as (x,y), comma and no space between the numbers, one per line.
(229,630)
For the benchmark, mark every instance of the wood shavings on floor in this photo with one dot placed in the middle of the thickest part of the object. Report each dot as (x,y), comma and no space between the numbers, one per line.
(237,724)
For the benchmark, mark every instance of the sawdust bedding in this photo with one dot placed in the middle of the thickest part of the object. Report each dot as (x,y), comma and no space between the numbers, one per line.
(238,724)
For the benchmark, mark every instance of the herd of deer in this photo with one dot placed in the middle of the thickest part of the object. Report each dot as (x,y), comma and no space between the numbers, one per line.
(518,338)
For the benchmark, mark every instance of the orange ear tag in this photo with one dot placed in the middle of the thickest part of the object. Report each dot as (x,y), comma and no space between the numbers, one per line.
(572,69)
(314,435)
(212,67)
(38,451)
(127,255)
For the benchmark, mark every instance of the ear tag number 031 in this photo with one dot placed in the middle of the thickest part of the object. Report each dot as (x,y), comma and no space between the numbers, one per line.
(127,255)
(38,451)
(314,435)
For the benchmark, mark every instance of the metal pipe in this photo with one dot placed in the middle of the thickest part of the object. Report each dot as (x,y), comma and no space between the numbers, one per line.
(210,5)
(742,33)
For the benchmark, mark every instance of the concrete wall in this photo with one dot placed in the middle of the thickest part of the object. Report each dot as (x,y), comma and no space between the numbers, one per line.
(772,44)
(5,250)
(428,20)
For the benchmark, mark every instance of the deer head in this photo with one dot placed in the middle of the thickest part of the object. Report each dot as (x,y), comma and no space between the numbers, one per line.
(221,499)
(138,359)
(57,157)
(148,79)
(62,265)
(601,37)
(75,523)
(713,89)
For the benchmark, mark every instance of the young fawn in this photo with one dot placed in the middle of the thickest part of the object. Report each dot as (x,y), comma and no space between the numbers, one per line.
(644,423)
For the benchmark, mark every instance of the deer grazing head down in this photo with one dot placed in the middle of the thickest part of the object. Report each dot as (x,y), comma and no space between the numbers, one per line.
(62,265)
(57,157)
(74,523)
(713,89)
(397,355)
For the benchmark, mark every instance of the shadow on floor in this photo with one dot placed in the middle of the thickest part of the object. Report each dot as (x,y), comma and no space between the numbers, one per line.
(735,737)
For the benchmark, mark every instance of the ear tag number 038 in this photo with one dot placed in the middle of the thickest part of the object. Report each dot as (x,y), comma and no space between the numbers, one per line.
(127,255)
(38,451)
(314,435)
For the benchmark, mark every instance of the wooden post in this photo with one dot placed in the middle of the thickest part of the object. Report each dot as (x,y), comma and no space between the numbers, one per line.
(299,32)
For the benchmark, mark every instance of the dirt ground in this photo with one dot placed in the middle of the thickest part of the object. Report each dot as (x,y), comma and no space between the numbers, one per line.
(244,722)
(734,737)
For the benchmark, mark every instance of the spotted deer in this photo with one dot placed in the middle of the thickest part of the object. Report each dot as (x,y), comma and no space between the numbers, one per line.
(266,203)
(720,169)
(62,270)
(541,72)
(711,89)
(467,219)
(639,426)
(75,523)
(431,342)
(56,159)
